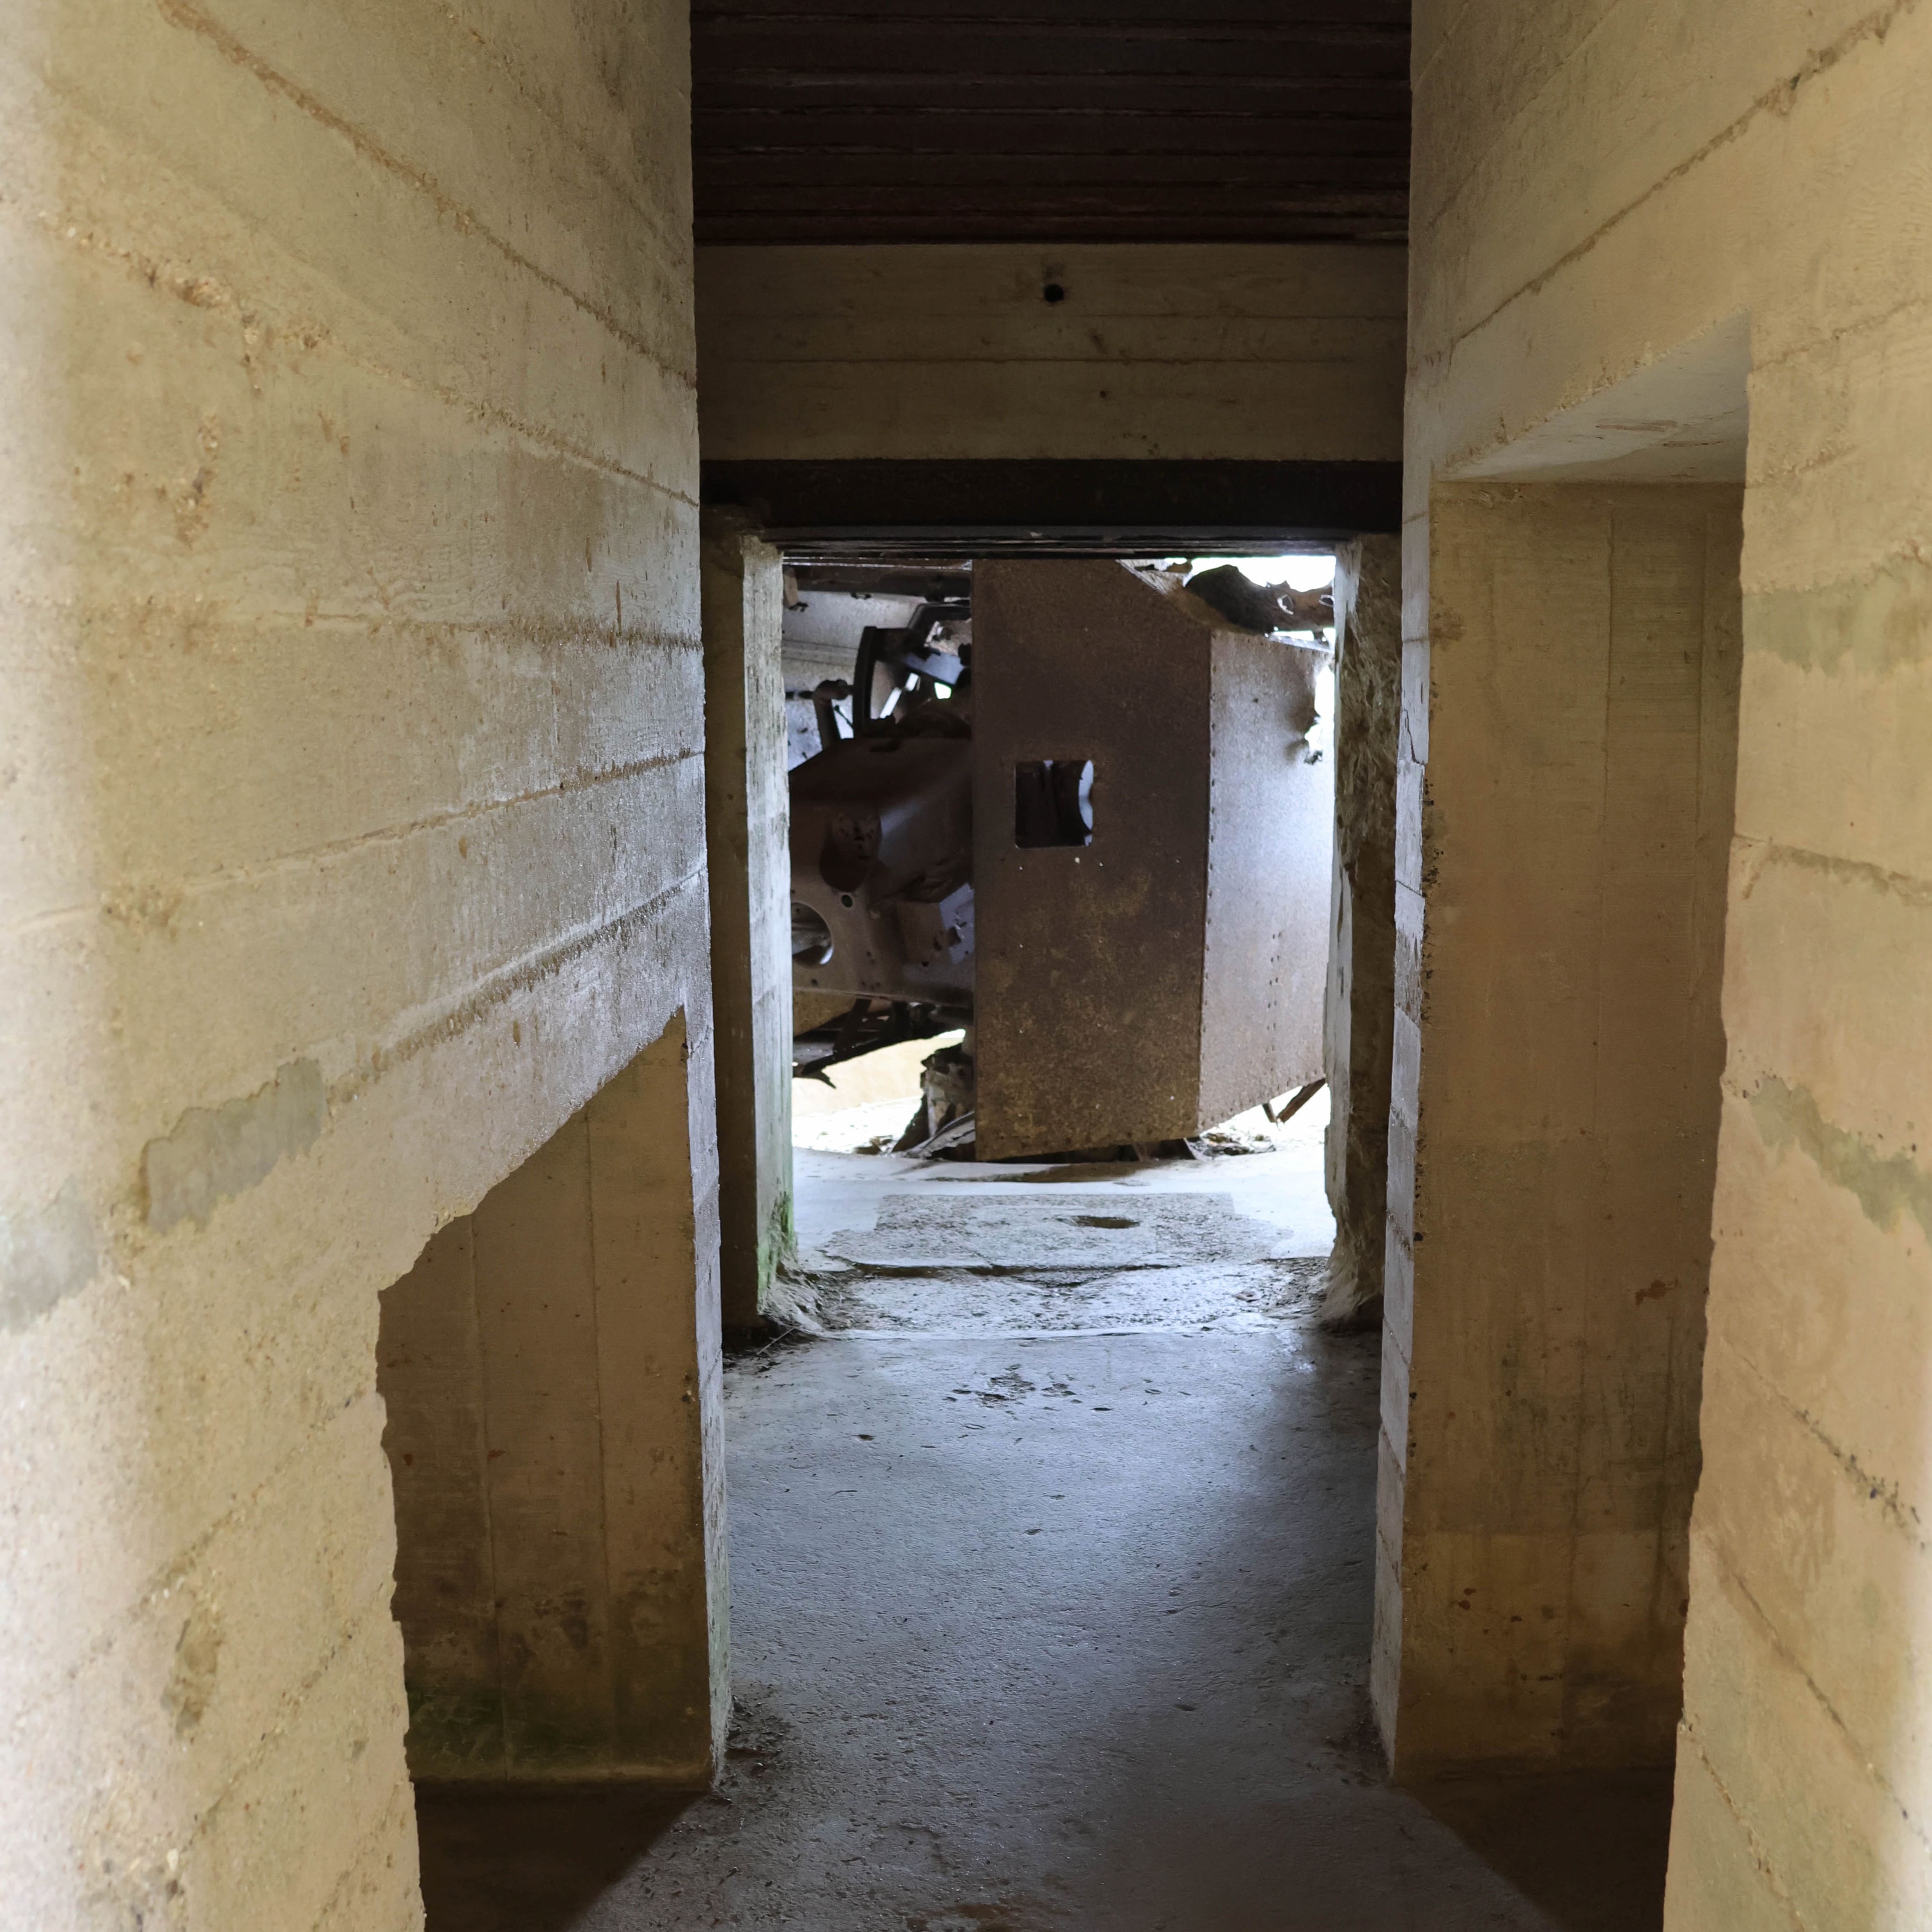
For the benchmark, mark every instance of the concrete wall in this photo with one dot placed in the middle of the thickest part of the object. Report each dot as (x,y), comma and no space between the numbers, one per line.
(553,1378)
(748,828)
(1599,186)
(1558,1046)
(1358,1014)
(350,841)
(1208,351)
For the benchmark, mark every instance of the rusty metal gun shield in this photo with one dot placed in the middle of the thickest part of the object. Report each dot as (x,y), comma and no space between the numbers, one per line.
(1152,839)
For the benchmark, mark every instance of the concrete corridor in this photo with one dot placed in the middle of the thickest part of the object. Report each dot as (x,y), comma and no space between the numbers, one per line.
(1051,1604)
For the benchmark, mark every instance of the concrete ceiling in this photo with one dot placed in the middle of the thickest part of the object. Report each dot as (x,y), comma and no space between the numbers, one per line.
(863,120)
(1682,418)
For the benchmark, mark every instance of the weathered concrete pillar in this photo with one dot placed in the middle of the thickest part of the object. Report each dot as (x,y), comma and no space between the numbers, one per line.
(747,818)
(552,1374)
(1564,813)
(1359,1019)
(349,635)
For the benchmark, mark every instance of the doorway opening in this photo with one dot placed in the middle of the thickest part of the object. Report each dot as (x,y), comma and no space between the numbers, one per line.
(1053,1504)
(892,750)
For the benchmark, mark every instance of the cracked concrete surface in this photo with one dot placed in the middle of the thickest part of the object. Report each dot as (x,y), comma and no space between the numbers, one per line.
(1042,1631)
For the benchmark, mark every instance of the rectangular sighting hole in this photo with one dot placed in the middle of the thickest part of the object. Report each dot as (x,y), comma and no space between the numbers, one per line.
(1053,802)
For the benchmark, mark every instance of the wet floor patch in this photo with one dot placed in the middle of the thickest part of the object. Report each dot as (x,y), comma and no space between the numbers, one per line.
(1060,1229)
(855,1301)
(1051,1262)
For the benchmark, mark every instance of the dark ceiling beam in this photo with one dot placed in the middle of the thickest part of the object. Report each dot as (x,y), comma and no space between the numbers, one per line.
(1117,190)
(1138,506)
(1146,197)
(1232,59)
(1050,227)
(1050,231)
(984,120)
(1337,185)
(1064,140)
(1157,107)
(1099,14)
(787,93)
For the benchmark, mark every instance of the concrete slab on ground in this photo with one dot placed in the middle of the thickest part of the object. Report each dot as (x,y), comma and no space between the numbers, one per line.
(1280,1189)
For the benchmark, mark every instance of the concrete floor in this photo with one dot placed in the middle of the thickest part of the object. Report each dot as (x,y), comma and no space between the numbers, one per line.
(1054,1630)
